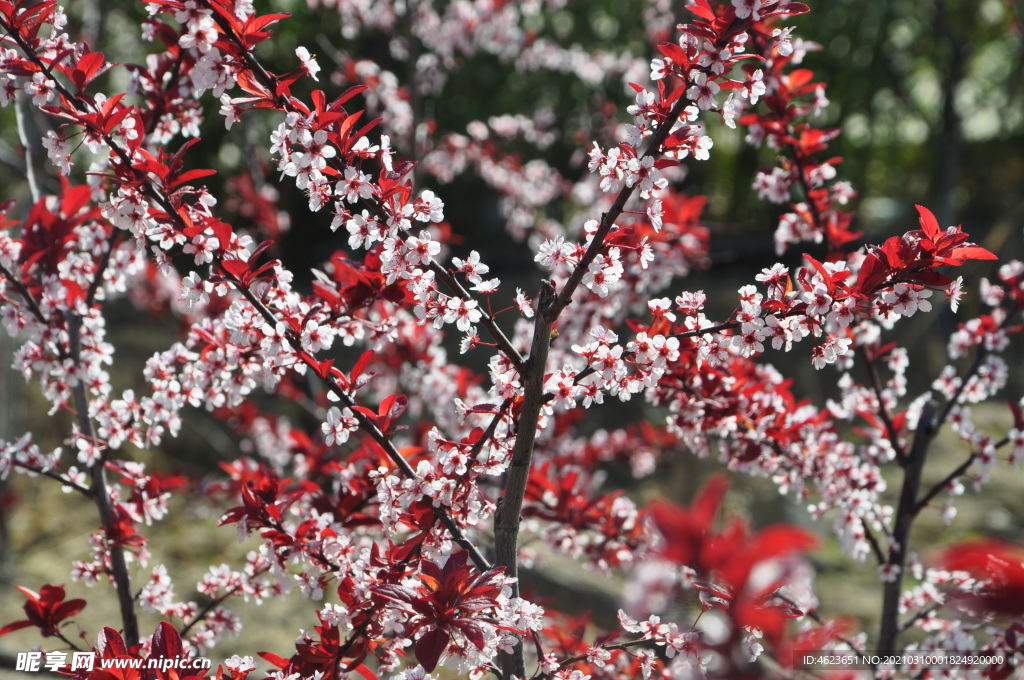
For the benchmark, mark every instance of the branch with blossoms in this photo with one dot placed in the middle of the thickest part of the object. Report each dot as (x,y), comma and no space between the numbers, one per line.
(307,169)
(201,247)
(383,505)
(793,99)
(319,144)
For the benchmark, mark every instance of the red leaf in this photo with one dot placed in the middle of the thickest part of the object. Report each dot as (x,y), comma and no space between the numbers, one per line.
(365,130)
(191,175)
(166,642)
(248,82)
(713,590)
(702,9)
(396,406)
(401,170)
(345,128)
(364,360)
(369,413)
(793,9)
(779,540)
(236,268)
(45,610)
(222,230)
(972,252)
(365,672)
(430,647)
(274,659)
(929,224)
(73,199)
(799,78)
(87,69)
(17,625)
(685,529)
(674,52)
(1000,566)
(346,95)
(259,23)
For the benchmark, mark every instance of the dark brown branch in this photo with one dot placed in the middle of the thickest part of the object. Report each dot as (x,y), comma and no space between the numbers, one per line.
(370,427)
(905,513)
(883,411)
(23,291)
(492,427)
(946,481)
(510,505)
(101,494)
(608,218)
(97,280)
(876,548)
(971,372)
(924,613)
(53,474)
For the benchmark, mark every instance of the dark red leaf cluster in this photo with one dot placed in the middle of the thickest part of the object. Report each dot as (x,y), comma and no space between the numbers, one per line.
(46,610)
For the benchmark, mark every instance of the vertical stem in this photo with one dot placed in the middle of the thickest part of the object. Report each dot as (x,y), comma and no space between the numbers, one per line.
(905,513)
(29,145)
(549,306)
(100,494)
(506,519)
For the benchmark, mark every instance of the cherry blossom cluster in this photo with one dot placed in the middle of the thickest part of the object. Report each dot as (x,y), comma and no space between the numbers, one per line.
(792,99)
(526,187)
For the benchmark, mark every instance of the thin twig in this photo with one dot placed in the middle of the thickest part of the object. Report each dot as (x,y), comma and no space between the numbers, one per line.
(876,548)
(883,410)
(946,481)
(918,616)
(580,657)
(53,474)
(216,602)
(492,427)
(609,217)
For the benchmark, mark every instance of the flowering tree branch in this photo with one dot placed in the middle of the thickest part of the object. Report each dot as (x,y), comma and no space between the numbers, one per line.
(101,496)
(507,517)
(382,512)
